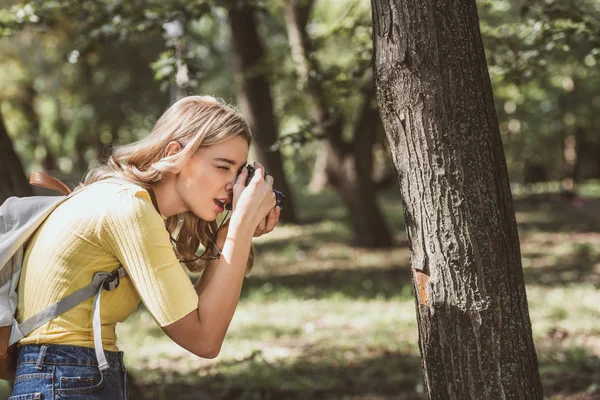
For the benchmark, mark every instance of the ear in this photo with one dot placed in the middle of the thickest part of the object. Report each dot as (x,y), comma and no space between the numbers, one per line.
(172,148)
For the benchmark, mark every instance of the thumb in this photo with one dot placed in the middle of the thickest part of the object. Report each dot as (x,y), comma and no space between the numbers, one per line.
(241,178)
(239,186)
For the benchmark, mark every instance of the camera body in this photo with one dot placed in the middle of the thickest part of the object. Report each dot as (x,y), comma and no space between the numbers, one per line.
(279,196)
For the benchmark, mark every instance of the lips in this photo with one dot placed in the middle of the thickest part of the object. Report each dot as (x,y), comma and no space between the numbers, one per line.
(220,205)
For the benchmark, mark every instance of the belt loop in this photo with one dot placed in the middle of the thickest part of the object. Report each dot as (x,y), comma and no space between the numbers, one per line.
(40,360)
(122,366)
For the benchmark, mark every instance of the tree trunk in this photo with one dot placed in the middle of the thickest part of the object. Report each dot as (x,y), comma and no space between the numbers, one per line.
(348,165)
(29,98)
(534,172)
(569,162)
(436,102)
(588,148)
(174,30)
(13,182)
(318,180)
(254,97)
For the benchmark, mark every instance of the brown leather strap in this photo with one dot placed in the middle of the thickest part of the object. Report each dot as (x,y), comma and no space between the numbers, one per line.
(154,201)
(46,181)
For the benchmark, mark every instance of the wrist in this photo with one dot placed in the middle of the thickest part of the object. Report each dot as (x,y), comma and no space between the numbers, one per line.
(221,237)
(239,227)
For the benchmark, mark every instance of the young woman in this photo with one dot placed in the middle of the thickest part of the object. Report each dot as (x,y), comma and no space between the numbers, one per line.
(147,209)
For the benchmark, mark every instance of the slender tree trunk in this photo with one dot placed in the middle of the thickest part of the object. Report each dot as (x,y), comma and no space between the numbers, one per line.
(588,148)
(29,98)
(534,172)
(318,180)
(348,165)
(254,96)
(437,107)
(569,162)
(174,30)
(13,182)
(569,144)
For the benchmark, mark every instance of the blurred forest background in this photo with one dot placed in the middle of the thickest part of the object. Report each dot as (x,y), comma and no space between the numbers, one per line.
(328,312)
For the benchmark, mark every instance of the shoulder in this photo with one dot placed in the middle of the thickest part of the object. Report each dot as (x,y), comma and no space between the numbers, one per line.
(123,198)
(113,187)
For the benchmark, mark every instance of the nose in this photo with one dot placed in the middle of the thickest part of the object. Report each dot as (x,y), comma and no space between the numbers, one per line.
(229,185)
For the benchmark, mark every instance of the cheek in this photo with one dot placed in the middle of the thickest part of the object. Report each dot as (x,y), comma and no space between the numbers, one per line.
(203,183)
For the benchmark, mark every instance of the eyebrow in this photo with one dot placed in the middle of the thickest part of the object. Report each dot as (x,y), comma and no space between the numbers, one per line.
(230,162)
(225,160)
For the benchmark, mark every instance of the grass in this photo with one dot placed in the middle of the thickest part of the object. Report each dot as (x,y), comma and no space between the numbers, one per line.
(319,319)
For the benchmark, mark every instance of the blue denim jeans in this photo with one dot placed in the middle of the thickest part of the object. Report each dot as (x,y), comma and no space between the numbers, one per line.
(63,372)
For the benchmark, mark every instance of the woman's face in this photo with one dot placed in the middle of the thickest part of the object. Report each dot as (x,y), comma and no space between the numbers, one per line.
(205,183)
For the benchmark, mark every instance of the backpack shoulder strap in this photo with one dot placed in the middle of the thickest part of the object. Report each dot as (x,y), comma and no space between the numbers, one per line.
(46,181)
(102,280)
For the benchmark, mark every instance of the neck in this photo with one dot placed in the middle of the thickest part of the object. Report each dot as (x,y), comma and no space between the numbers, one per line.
(164,191)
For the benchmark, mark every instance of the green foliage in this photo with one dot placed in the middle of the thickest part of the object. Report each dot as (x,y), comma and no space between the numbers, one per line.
(542,59)
(62,107)
(94,70)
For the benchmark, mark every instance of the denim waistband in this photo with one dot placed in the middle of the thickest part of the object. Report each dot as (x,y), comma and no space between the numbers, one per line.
(60,354)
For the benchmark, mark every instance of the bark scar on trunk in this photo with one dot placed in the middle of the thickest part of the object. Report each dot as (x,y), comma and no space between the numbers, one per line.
(422,283)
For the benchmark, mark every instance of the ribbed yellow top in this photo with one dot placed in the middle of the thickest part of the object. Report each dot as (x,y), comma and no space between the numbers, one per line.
(106,225)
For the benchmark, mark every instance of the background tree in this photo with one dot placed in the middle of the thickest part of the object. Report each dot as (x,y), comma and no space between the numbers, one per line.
(254,95)
(348,163)
(13,182)
(438,111)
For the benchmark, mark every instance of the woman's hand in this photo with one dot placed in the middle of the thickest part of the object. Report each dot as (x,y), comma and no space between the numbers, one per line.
(255,200)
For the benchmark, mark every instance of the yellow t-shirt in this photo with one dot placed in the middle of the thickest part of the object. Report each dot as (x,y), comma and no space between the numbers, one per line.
(106,225)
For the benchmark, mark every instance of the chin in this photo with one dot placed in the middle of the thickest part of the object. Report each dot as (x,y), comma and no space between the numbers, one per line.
(204,216)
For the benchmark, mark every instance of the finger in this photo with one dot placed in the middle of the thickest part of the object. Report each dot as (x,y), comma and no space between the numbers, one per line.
(258,165)
(261,227)
(258,174)
(240,183)
(241,178)
(273,219)
(269,180)
(238,187)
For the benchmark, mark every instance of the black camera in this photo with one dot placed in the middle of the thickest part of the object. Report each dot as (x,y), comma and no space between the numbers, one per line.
(279,196)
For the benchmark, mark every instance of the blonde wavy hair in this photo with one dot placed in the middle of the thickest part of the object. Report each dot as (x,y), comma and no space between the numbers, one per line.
(193,122)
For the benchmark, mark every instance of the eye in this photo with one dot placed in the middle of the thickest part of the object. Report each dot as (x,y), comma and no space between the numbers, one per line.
(224,168)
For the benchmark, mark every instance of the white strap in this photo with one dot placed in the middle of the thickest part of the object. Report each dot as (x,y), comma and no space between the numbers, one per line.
(97,327)
(102,281)
(109,283)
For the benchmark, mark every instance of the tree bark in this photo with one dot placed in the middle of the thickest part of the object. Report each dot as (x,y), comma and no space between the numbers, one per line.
(254,97)
(436,101)
(348,165)
(13,182)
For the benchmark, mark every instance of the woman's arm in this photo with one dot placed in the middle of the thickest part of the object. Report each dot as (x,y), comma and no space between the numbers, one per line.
(202,331)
